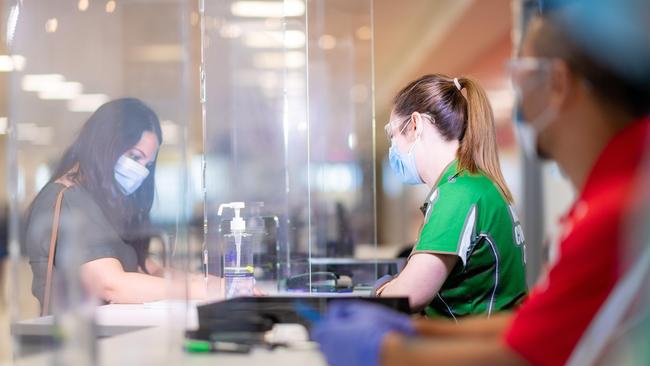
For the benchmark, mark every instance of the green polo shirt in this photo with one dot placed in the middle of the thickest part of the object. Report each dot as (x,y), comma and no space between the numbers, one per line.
(466,215)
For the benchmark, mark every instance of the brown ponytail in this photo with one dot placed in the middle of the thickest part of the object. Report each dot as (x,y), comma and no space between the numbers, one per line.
(466,119)
(478,148)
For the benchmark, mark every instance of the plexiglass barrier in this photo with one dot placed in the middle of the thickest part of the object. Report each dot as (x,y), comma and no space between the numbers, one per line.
(105,165)
(100,109)
(192,140)
(288,131)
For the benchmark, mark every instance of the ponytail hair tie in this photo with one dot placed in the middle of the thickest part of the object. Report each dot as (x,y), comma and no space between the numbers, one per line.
(457,83)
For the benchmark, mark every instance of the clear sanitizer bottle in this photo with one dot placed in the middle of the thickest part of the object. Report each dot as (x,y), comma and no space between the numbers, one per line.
(238,266)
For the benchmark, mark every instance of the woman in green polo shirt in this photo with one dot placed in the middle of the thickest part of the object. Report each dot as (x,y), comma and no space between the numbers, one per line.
(470,256)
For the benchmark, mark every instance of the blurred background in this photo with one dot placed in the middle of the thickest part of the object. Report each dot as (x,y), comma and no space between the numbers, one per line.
(359,52)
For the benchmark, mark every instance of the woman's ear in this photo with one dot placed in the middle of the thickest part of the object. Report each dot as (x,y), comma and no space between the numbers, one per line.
(417,124)
(562,82)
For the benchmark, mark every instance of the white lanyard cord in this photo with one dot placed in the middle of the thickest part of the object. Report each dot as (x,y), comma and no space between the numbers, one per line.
(601,329)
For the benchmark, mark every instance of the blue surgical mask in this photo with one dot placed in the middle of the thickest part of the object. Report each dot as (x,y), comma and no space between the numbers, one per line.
(528,129)
(404,166)
(129,174)
(526,135)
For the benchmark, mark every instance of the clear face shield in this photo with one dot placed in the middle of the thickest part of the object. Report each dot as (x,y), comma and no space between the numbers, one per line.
(531,82)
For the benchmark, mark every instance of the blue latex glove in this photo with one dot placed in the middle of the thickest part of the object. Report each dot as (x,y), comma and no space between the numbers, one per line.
(351,332)
(380,282)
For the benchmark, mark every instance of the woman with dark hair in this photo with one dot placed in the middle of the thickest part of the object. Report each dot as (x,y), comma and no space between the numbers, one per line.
(469,258)
(102,220)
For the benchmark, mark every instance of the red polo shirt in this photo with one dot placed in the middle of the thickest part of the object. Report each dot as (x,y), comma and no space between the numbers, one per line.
(549,324)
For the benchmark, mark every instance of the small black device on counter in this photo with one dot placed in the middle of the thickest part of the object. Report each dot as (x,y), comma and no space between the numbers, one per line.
(244,319)
(319,282)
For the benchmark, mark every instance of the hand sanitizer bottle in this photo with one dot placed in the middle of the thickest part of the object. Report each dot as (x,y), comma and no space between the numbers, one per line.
(238,256)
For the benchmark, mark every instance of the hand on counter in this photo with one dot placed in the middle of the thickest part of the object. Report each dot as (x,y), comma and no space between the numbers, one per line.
(351,333)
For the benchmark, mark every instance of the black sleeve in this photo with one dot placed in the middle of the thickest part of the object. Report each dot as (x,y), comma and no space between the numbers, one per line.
(84,232)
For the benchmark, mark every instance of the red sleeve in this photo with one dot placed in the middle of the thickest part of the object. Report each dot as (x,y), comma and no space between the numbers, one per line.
(549,324)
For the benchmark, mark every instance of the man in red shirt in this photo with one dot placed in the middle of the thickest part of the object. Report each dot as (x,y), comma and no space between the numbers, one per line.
(591,118)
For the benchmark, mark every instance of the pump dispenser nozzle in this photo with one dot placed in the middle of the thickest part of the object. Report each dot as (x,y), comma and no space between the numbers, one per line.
(237,223)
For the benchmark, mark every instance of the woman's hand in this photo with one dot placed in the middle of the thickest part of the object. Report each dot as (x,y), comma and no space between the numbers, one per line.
(210,288)
(351,332)
(382,282)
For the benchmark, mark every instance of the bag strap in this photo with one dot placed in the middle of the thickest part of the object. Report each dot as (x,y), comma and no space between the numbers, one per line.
(53,236)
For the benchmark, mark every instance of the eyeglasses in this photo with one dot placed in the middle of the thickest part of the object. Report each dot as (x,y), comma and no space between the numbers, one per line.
(388,128)
(525,72)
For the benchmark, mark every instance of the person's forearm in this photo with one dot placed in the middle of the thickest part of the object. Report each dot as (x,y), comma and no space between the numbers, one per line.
(157,270)
(399,350)
(178,274)
(418,299)
(476,326)
(134,288)
(421,279)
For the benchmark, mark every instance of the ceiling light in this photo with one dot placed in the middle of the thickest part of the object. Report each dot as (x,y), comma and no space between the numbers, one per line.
(87,102)
(110,6)
(61,91)
(51,25)
(6,63)
(10,63)
(82,5)
(4,125)
(268,9)
(364,33)
(159,53)
(19,62)
(326,42)
(170,132)
(275,39)
(38,82)
(279,60)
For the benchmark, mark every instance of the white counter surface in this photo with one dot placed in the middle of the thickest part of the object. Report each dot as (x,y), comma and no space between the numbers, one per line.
(151,334)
